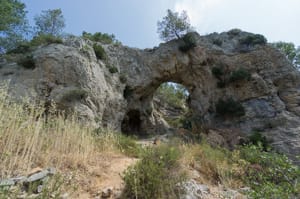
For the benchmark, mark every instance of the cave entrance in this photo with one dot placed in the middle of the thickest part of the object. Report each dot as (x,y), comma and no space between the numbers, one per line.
(132,123)
(171,101)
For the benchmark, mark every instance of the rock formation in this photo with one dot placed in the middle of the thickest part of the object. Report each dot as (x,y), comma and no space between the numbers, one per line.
(71,75)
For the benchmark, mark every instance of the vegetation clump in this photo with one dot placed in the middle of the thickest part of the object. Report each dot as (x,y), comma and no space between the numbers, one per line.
(239,74)
(230,107)
(99,52)
(156,175)
(41,39)
(100,37)
(269,174)
(189,42)
(252,40)
(112,69)
(174,95)
(226,76)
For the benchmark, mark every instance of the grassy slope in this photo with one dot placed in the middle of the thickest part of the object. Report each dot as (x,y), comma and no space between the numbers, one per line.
(85,157)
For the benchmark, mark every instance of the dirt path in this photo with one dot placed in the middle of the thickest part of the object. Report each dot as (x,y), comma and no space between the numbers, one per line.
(104,174)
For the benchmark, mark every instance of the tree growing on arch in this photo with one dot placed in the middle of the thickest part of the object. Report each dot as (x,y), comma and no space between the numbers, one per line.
(174,25)
(50,22)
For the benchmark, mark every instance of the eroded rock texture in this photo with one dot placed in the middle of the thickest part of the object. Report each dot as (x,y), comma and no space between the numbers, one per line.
(74,78)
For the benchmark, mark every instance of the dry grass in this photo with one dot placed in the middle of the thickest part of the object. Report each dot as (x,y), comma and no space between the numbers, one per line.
(27,141)
(215,165)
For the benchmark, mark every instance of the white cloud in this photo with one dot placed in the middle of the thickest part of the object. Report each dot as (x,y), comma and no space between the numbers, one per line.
(276,19)
(196,9)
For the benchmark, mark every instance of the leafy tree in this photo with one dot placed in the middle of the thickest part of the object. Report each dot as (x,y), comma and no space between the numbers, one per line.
(174,25)
(173,94)
(287,48)
(291,52)
(13,24)
(12,14)
(50,22)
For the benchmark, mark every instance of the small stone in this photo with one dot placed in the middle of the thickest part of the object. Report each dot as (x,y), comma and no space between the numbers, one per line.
(39,189)
(107,192)
(64,196)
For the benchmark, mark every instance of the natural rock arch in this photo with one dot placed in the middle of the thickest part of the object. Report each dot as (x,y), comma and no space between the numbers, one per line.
(271,97)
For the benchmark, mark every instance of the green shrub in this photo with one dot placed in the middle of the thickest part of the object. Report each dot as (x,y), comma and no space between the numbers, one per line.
(45,39)
(123,78)
(258,139)
(174,95)
(217,71)
(189,42)
(27,62)
(252,40)
(22,48)
(155,175)
(73,95)
(234,32)
(99,52)
(128,91)
(230,107)
(239,74)
(217,42)
(270,175)
(112,69)
(100,37)
(128,146)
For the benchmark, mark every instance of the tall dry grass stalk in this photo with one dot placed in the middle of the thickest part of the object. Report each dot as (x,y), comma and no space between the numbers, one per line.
(28,141)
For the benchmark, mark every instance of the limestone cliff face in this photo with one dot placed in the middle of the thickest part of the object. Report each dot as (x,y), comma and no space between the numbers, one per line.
(74,78)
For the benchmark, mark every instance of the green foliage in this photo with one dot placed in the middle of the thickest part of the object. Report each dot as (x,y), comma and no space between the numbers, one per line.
(270,175)
(38,40)
(127,92)
(99,52)
(226,77)
(230,107)
(173,94)
(23,47)
(112,69)
(239,74)
(128,146)
(123,78)
(189,42)
(174,25)
(73,95)
(258,139)
(12,13)
(27,62)
(155,175)
(100,37)
(45,39)
(217,42)
(252,40)
(217,71)
(220,74)
(234,32)
(290,51)
(13,24)
(50,22)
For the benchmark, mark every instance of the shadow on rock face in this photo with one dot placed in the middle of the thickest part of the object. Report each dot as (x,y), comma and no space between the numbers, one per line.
(131,125)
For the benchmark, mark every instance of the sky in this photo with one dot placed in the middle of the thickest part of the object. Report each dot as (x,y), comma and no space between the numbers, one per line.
(134,22)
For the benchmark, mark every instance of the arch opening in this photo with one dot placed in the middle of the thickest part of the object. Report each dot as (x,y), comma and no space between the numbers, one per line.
(171,101)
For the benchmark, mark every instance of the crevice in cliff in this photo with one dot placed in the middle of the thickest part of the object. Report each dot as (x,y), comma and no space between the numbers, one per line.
(131,124)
